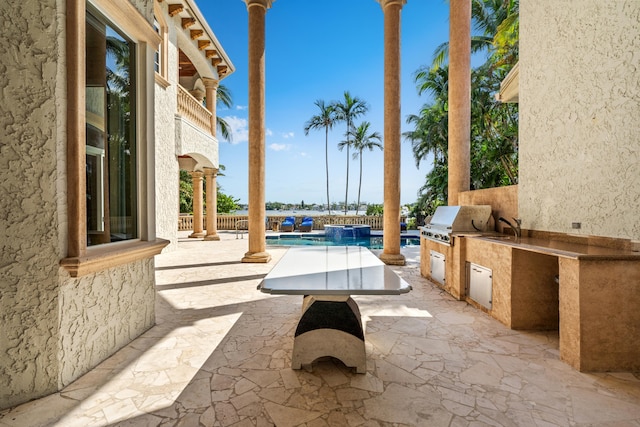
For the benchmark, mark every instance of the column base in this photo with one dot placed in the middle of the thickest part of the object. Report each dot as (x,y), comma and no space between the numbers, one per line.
(212,237)
(393,259)
(257,257)
(195,235)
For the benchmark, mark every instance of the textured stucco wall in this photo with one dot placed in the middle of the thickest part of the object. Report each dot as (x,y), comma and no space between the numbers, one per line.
(167,170)
(102,313)
(29,240)
(580,116)
(53,328)
(192,141)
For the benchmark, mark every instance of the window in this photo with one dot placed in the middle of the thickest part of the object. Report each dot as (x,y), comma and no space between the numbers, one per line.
(111,205)
(160,64)
(157,61)
(110,85)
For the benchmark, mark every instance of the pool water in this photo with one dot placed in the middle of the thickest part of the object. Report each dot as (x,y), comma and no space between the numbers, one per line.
(371,242)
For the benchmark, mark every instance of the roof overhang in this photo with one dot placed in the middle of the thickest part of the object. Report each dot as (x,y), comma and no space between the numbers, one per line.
(198,42)
(510,86)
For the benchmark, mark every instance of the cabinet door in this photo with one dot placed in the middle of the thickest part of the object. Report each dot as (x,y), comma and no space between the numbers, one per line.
(480,284)
(437,267)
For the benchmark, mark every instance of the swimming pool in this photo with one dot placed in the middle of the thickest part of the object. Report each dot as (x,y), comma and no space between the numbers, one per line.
(371,242)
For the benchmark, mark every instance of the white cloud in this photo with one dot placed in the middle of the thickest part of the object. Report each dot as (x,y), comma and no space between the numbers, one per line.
(303,154)
(241,107)
(268,132)
(288,135)
(279,147)
(239,128)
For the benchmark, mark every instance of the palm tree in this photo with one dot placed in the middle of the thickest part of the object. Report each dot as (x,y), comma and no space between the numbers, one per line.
(326,119)
(346,111)
(362,140)
(496,21)
(224,98)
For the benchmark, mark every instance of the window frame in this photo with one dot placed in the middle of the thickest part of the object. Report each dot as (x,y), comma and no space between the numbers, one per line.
(162,77)
(82,260)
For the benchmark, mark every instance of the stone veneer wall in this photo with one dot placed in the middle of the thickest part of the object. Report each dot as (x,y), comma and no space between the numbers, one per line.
(46,316)
(580,116)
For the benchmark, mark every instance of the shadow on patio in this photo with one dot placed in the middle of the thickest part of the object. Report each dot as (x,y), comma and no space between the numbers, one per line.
(221,350)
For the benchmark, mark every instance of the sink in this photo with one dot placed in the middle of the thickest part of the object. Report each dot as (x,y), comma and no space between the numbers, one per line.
(500,237)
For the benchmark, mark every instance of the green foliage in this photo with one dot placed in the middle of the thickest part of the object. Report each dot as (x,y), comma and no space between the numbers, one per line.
(375,210)
(226,204)
(494,126)
(186,193)
(325,120)
(363,139)
(347,110)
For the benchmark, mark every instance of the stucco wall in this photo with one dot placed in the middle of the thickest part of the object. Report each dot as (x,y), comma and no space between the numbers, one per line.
(53,328)
(167,171)
(580,116)
(29,50)
(102,313)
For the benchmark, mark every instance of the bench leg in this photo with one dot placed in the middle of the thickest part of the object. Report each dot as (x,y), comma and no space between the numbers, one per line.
(330,327)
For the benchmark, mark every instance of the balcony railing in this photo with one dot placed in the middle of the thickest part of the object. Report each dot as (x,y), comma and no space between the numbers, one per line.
(193,110)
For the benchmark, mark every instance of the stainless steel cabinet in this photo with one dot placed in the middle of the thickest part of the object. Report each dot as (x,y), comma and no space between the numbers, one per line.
(437,266)
(480,284)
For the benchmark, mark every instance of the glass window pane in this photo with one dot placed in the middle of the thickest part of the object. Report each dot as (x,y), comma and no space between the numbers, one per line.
(111,143)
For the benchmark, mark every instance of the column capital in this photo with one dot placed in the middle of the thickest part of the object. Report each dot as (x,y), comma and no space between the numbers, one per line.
(385,3)
(210,171)
(264,3)
(210,83)
(196,174)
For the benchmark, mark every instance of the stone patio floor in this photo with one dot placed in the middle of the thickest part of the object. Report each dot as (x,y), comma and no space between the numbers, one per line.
(220,356)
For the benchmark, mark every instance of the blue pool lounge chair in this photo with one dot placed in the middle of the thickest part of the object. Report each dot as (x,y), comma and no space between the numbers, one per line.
(307,224)
(288,224)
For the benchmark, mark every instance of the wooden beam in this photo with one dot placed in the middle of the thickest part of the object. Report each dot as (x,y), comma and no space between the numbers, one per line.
(211,53)
(175,9)
(196,34)
(187,22)
(216,61)
(222,69)
(203,44)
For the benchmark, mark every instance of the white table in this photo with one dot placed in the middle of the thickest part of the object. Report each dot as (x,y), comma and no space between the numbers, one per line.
(327,276)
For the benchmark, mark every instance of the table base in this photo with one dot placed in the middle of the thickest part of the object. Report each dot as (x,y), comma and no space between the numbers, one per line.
(329,326)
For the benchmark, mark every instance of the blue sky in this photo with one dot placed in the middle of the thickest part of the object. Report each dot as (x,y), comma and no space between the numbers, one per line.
(318,50)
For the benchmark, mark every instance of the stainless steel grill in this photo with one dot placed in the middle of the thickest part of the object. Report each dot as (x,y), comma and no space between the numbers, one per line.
(449,220)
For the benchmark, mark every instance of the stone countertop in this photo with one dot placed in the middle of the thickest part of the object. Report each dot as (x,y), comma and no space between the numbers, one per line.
(332,270)
(560,248)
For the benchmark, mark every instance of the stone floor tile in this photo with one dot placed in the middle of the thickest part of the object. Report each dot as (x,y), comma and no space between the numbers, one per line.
(220,352)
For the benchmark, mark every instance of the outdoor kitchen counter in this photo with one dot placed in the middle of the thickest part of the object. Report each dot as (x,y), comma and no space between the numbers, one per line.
(593,301)
(561,248)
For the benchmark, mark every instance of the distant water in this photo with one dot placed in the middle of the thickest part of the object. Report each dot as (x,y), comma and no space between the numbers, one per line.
(303,212)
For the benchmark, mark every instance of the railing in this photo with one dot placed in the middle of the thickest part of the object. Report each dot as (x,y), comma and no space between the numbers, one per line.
(231,222)
(192,110)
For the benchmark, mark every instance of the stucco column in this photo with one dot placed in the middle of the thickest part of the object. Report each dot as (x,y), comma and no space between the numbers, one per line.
(391,240)
(211,95)
(459,98)
(212,204)
(257,10)
(196,178)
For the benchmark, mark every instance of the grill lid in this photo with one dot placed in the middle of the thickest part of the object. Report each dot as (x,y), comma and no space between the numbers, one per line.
(455,219)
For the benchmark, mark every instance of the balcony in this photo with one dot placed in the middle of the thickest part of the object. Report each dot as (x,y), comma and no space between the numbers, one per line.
(189,108)
(194,135)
